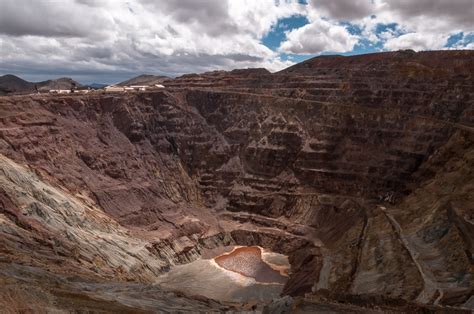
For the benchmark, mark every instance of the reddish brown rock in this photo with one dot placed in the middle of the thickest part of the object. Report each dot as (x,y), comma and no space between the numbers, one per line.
(359,169)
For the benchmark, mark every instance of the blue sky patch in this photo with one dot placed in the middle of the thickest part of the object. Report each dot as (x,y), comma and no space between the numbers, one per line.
(459,39)
(295,58)
(273,39)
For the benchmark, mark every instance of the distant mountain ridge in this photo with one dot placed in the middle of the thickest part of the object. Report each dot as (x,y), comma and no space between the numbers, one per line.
(60,83)
(144,79)
(10,84)
(97,85)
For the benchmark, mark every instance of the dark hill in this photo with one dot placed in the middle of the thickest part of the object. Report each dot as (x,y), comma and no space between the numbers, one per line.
(144,79)
(11,84)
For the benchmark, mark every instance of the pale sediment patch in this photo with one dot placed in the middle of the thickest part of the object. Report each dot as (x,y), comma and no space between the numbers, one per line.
(207,278)
(248,261)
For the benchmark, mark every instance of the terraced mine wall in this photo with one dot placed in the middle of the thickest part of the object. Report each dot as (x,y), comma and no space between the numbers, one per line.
(359,169)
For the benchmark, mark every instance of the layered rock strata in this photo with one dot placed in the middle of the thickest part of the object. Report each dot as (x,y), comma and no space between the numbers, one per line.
(359,169)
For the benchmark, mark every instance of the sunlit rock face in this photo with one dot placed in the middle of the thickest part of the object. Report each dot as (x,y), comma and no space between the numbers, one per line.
(357,169)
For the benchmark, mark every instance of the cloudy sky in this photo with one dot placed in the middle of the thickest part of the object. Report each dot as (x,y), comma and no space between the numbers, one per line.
(111,40)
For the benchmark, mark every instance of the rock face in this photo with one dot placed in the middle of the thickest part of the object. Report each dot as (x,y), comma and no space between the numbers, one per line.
(359,169)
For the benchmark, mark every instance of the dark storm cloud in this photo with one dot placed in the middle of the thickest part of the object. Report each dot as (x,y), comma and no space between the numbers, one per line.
(48,18)
(94,52)
(117,71)
(86,37)
(92,3)
(210,16)
(460,13)
(344,10)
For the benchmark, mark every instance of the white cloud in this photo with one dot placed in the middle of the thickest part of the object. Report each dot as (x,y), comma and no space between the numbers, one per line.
(257,17)
(136,36)
(416,41)
(439,15)
(125,37)
(318,37)
(421,24)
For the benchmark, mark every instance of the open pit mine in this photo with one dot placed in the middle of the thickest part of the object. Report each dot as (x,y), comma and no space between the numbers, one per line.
(341,184)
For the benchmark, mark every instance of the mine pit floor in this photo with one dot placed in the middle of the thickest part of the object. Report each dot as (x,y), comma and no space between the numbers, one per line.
(240,274)
(248,262)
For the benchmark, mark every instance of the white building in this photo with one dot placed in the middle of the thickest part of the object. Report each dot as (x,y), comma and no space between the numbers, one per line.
(60,91)
(139,87)
(114,88)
